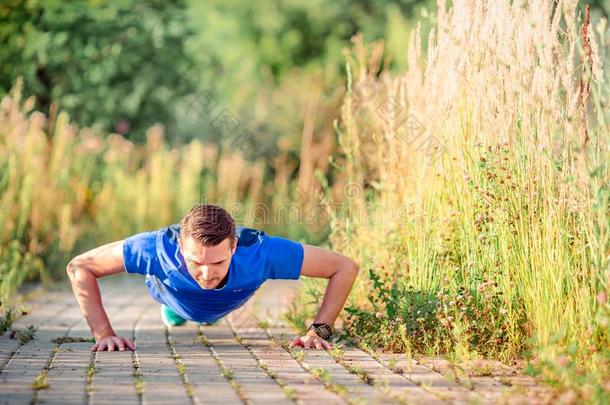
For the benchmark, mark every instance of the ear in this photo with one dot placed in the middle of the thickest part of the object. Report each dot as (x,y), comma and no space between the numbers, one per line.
(234,247)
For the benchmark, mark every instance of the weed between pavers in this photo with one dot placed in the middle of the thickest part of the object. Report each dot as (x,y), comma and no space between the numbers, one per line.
(337,352)
(320,373)
(454,372)
(359,371)
(264,323)
(180,366)
(298,355)
(393,365)
(40,382)
(137,376)
(25,335)
(91,369)
(225,371)
(290,394)
(368,379)
(189,389)
(72,339)
(181,369)
(504,380)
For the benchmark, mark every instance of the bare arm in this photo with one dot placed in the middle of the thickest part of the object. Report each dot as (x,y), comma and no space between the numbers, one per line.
(341,273)
(83,271)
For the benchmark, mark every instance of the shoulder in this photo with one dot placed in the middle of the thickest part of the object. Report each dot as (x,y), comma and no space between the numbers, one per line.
(247,237)
(140,252)
(166,246)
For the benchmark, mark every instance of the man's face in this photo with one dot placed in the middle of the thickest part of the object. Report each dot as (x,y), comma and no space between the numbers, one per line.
(208,265)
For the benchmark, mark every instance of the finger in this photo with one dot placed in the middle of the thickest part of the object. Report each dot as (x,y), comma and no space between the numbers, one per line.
(110,345)
(118,342)
(308,343)
(318,344)
(327,345)
(297,342)
(94,347)
(102,346)
(130,344)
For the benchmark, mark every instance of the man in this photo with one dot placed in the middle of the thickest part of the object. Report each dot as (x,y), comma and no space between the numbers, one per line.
(204,268)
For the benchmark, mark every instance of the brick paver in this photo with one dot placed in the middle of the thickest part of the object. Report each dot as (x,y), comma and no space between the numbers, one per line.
(68,375)
(307,388)
(114,381)
(162,382)
(208,384)
(241,359)
(53,319)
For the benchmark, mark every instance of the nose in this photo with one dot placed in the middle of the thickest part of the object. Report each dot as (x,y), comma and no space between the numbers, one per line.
(205,272)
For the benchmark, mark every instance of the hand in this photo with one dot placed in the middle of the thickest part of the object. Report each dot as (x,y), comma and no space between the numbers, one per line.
(111,341)
(310,341)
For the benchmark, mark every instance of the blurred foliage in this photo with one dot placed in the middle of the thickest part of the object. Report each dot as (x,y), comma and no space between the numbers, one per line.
(120,65)
(127,65)
(124,66)
(267,60)
(602,6)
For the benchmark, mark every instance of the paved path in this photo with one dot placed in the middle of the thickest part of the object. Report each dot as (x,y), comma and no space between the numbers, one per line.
(239,360)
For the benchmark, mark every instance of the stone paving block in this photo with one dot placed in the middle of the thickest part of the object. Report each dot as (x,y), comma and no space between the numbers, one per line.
(45,315)
(429,379)
(67,377)
(487,388)
(16,379)
(162,381)
(113,381)
(258,387)
(8,347)
(209,385)
(357,390)
(308,389)
(395,385)
(28,361)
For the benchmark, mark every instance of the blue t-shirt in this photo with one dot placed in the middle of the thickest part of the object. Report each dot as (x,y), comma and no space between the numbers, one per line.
(258,257)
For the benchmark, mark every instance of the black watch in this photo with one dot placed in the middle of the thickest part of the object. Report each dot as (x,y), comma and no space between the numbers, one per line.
(324,330)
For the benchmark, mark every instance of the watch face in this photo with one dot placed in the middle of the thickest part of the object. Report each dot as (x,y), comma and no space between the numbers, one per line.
(324,331)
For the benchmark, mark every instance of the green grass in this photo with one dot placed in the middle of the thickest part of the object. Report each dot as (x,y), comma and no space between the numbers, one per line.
(6,320)
(25,335)
(73,339)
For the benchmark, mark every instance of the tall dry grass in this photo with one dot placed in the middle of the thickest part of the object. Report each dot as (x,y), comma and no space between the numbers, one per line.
(64,190)
(482,189)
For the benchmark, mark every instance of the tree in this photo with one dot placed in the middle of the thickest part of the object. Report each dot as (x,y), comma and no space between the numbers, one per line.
(120,66)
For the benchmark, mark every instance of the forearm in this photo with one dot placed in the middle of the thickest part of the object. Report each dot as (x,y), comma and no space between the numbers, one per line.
(337,291)
(87,292)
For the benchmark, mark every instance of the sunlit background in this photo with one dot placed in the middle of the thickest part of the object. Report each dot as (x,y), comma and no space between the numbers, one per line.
(457,150)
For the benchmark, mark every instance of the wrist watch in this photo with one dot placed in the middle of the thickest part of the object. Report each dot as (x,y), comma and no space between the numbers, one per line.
(324,330)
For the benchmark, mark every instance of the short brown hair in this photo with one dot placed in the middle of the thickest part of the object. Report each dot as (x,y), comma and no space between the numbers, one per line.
(208,224)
